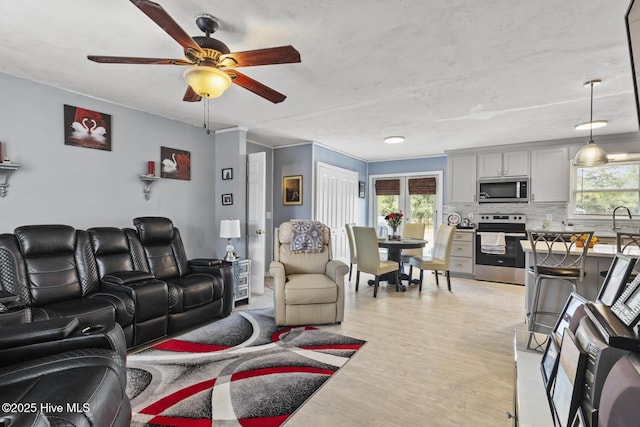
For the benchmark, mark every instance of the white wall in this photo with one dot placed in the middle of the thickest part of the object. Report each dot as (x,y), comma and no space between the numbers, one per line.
(84,187)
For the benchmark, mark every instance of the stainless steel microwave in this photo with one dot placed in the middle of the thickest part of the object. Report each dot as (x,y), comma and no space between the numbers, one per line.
(503,190)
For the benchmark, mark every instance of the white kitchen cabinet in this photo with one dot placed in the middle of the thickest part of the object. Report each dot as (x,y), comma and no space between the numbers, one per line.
(509,163)
(462,252)
(549,175)
(462,179)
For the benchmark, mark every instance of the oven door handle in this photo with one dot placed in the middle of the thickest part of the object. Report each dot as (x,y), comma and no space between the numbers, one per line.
(479,233)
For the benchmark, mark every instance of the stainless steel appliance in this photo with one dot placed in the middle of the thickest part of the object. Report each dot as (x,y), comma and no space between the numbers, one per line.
(504,264)
(503,190)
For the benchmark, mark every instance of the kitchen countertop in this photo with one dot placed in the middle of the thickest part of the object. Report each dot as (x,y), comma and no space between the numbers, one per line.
(598,250)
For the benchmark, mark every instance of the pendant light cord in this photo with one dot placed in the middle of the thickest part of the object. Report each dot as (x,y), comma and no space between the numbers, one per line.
(591,115)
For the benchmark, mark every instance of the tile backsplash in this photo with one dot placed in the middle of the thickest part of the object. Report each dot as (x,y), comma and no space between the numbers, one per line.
(537,215)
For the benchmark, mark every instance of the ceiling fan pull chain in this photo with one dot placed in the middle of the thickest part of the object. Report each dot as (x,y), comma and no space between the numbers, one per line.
(204,114)
(208,124)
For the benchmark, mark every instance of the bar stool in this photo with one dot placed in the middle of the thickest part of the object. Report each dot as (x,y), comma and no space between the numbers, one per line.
(557,255)
(626,242)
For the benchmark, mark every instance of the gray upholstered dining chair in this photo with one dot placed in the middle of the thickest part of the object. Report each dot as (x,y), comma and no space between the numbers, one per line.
(412,230)
(441,255)
(368,257)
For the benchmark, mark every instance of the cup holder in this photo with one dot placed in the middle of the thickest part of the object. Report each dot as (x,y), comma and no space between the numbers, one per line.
(89,330)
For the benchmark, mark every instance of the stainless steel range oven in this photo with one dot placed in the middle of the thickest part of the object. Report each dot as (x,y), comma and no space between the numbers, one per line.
(499,255)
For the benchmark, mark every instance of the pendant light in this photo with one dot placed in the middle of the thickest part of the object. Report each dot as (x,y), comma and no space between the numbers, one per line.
(591,154)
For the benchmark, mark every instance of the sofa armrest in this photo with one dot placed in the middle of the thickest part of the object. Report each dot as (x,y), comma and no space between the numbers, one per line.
(221,270)
(121,299)
(37,332)
(127,277)
(205,262)
(336,270)
(54,336)
(279,276)
(276,270)
(7,297)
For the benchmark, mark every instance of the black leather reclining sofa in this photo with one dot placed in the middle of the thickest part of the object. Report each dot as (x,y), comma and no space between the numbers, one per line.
(140,279)
(76,300)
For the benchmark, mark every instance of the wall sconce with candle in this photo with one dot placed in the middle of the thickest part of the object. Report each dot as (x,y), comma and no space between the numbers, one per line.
(6,169)
(149,178)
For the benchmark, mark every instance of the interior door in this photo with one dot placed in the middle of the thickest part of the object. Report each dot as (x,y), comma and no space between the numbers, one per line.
(336,204)
(256,219)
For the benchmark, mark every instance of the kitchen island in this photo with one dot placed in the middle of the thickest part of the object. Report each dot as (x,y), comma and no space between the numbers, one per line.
(554,293)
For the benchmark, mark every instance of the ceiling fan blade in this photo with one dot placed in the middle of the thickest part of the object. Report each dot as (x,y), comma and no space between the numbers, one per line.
(133,60)
(256,87)
(166,22)
(191,96)
(272,55)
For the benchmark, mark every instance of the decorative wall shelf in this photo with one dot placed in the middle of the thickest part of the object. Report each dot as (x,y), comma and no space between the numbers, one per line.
(148,180)
(6,169)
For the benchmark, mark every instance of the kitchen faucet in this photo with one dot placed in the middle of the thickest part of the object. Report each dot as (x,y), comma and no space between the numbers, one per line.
(614,215)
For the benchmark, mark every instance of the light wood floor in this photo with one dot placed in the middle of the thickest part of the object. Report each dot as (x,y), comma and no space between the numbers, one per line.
(438,358)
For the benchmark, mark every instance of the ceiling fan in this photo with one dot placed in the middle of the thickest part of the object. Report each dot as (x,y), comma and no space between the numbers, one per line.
(212,64)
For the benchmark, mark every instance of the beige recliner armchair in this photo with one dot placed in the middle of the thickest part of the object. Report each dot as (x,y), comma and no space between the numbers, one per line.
(308,284)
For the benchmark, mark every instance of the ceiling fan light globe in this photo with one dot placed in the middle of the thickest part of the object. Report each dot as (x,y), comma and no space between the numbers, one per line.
(208,82)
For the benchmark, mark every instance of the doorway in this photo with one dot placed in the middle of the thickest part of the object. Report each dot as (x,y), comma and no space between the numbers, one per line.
(336,204)
(418,196)
(256,219)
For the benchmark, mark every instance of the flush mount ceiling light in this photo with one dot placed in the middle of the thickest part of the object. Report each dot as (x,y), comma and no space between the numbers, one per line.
(591,154)
(592,125)
(394,139)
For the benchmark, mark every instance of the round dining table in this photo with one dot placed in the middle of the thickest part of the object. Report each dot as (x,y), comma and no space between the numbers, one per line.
(394,248)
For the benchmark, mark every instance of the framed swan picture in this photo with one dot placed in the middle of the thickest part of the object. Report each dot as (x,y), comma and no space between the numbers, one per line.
(175,164)
(87,128)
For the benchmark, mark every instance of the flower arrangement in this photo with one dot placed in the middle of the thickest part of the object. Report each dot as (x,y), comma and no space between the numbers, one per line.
(580,240)
(394,219)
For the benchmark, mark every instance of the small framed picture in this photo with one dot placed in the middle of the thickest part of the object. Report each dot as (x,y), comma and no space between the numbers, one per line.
(549,364)
(571,314)
(227,174)
(616,279)
(292,190)
(567,388)
(227,199)
(361,189)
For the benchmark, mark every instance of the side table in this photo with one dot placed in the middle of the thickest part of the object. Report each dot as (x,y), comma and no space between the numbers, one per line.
(241,277)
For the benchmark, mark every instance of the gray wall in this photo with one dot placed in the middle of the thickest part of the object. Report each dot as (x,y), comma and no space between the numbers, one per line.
(295,160)
(230,152)
(83,187)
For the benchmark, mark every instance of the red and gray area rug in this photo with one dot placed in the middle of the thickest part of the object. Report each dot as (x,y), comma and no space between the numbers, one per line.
(238,371)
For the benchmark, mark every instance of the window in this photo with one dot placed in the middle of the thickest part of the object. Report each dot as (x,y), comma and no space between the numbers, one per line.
(417,196)
(599,189)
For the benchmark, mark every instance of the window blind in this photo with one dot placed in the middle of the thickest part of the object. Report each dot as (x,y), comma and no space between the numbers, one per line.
(422,185)
(387,187)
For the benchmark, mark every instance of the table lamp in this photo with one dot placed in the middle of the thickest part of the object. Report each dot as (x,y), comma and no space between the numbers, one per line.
(229,229)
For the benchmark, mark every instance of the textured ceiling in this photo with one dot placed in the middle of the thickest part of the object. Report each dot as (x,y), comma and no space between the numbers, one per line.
(445,74)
